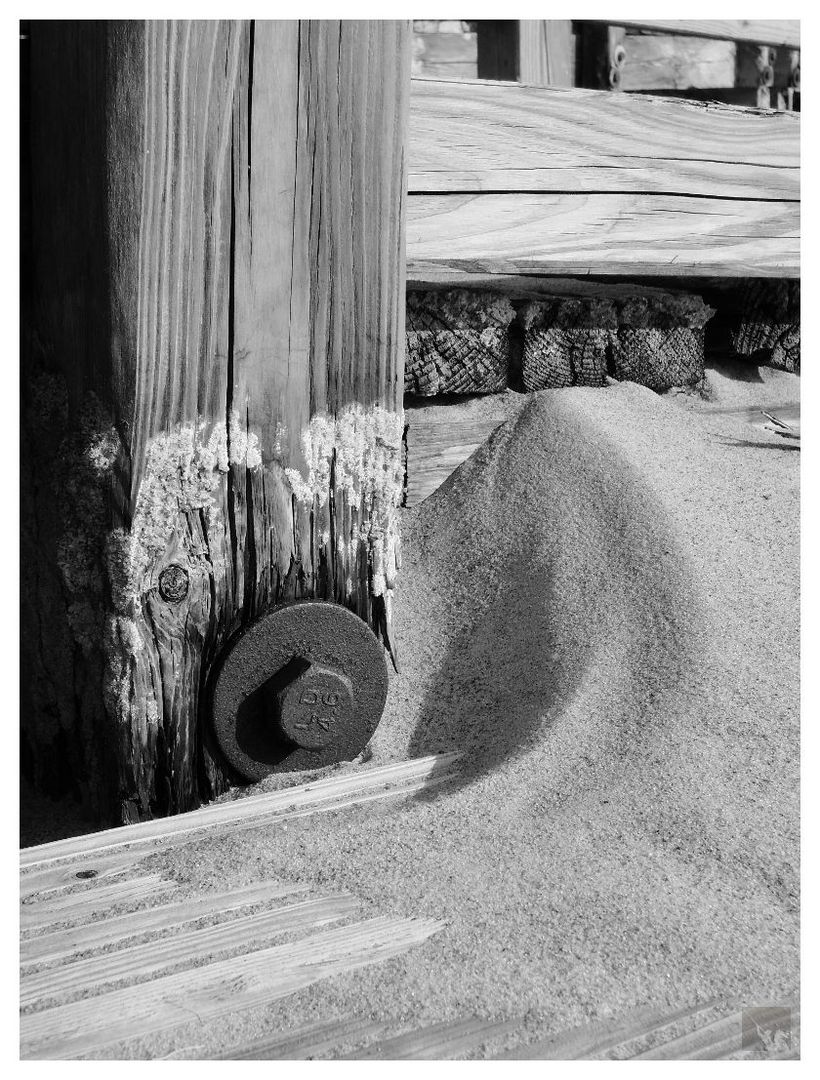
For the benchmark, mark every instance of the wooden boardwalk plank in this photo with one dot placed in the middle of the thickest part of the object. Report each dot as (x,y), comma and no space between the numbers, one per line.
(605,234)
(320,794)
(303,1043)
(478,136)
(139,961)
(64,875)
(719,1039)
(435,1042)
(81,905)
(105,932)
(599,1038)
(214,989)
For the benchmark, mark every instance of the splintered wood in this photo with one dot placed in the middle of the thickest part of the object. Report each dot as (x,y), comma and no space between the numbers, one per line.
(95,972)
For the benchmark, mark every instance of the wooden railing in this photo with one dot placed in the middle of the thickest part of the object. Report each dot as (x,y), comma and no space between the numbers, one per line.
(530,180)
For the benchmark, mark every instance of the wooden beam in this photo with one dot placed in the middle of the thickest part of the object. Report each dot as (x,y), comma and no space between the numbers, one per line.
(58,944)
(218,220)
(201,943)
(251,979)
(326,794)
(479,136)
(625,234)
(756,31)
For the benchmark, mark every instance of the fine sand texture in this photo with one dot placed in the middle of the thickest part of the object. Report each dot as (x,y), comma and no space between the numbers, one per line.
(600,608)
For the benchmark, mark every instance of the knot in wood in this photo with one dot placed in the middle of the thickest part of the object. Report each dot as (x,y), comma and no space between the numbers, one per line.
(173,583)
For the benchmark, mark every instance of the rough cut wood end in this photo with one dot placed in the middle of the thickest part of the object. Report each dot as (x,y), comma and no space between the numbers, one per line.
(457,343)
(769,322)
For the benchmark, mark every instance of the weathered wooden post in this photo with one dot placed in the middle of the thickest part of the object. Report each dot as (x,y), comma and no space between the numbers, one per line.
(213,372)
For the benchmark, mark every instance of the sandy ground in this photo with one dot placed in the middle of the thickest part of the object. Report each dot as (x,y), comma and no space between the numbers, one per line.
(601,609)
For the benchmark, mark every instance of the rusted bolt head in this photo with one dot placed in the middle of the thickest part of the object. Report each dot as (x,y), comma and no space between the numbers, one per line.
(313,707)
(173,583)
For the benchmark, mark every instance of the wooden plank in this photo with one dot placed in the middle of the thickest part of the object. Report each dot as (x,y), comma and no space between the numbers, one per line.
(546,52)
(452,1039)
(720,1039)
(482,137)
(140,961)
(103,933)
(440,438)
(219,282)
(757,31)
(81,905)
(311,796)
(64,876)
(626,235)
(675,62)
(215,989)
(300,1044)
(592,1040)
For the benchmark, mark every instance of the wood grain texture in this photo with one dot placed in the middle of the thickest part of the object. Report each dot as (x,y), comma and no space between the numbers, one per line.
(328,793)
(66,875)
(483,137)
(655,61)
(218,259)
(626,235)
(442,437)
(546,52)
(105,932)
(757,31)
(435,1042)
(299,1044)
(81,905)
(214,989)
(142,961)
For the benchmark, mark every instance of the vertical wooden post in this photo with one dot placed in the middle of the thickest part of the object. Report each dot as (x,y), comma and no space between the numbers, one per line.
(539,52)
(213,373)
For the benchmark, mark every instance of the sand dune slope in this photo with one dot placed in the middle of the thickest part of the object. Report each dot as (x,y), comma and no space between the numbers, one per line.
(601,609)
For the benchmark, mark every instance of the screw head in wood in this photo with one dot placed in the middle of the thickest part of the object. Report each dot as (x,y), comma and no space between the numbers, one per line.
(173,583)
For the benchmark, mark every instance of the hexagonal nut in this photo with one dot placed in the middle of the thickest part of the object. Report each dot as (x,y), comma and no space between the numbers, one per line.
(313,708)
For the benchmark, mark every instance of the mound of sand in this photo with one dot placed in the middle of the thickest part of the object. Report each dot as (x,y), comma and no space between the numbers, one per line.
(600,608)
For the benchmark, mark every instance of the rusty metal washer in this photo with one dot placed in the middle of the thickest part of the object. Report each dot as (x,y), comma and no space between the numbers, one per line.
(302,687)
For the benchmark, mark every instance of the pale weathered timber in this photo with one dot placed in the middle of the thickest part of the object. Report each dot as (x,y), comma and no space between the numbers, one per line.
(621,235)
(103,933)
(256,978)
(483,137)
(63,876)
(757,31)
(540,52)
(768,323)
(457,343)
(385,781)
(79,906)
(213,374)
(442,437)
(435,1042)
(675,62)
(306,1042)
(203,943)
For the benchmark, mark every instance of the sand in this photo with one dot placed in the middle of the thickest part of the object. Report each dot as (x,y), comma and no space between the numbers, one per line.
(601,609)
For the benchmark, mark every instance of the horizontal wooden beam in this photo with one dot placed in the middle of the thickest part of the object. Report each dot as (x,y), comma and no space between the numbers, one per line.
(757,31)
(623,234)
(501,137)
